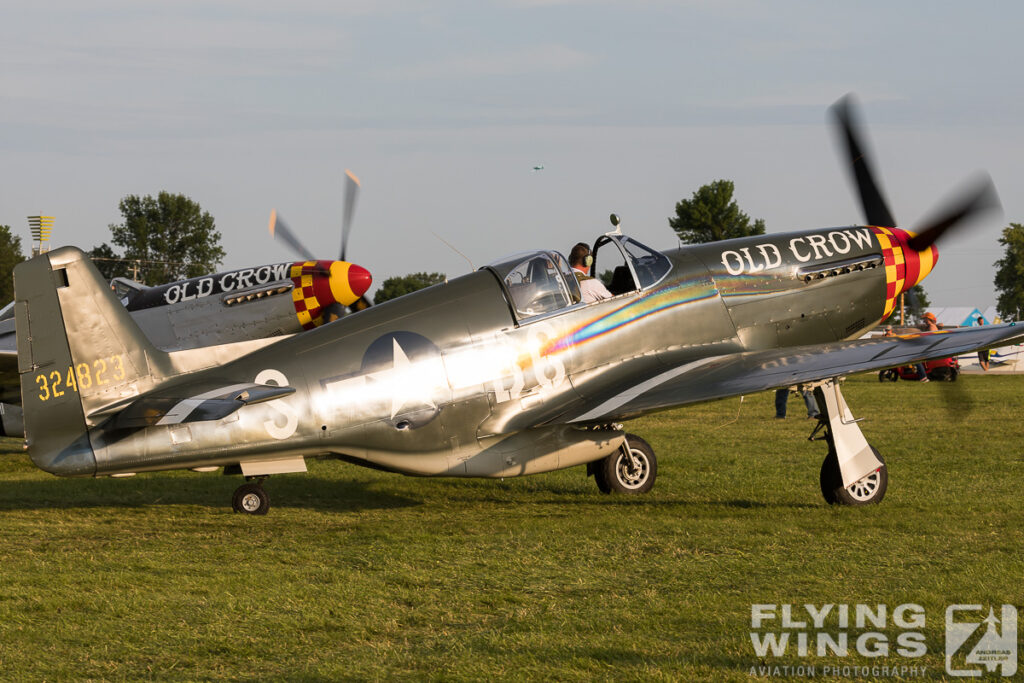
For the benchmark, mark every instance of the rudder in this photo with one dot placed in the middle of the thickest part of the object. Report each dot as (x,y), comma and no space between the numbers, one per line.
(78,351)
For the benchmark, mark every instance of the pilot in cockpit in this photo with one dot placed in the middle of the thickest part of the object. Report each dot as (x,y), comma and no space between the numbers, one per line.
(591,289)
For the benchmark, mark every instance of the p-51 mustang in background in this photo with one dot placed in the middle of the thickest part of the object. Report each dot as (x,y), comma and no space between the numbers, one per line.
(245,305)
(501,372)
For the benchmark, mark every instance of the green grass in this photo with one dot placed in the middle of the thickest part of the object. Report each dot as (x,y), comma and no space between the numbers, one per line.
(357,574)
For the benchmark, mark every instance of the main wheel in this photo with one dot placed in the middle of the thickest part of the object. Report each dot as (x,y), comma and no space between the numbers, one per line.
(868,490)
(634,472)
(890,375)
(250,499)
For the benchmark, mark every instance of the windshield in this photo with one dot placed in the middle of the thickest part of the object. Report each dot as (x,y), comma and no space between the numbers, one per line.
(650,265)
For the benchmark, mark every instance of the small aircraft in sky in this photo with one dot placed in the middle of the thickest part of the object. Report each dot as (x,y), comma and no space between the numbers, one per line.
(501,372)
(244,305)
(538,167)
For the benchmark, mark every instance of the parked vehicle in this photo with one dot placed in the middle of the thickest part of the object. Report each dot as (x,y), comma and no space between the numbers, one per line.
(941,370)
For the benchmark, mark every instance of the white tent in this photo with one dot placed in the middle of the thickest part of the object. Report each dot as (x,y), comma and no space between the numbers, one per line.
(957,316)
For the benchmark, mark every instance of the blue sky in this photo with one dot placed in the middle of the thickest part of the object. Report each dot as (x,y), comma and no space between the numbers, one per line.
(442,109)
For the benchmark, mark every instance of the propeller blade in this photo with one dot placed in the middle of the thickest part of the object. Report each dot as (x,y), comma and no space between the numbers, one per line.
(361,304)
(978,197)
(278,228)
(351,194)
(876,210)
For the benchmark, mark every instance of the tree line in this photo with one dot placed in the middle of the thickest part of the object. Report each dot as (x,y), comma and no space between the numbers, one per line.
(169,237)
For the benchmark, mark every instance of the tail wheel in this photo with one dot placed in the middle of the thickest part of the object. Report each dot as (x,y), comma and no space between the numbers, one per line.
(866,491)
(250,499)
(631,469)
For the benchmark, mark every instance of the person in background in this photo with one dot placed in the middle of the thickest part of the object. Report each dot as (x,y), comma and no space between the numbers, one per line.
(931,326)
(782,398)
(982,354)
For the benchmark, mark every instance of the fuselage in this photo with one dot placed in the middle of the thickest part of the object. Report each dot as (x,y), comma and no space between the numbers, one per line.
(445,381)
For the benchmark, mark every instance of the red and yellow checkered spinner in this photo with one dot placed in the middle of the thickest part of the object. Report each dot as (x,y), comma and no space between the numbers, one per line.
(320,284)
(904,266)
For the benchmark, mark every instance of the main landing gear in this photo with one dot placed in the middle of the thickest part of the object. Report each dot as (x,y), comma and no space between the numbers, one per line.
(631,469)
(250,498)
(854,472)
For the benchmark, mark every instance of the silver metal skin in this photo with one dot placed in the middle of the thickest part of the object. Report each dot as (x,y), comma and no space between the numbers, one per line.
(496,373)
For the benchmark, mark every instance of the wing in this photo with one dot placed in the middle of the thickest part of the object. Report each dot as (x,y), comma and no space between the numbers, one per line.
(188,402)
(744,373)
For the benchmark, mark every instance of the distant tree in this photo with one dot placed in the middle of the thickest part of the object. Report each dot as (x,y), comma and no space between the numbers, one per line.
(712,215)
(170,235)
(1009,279)
(107,261)
(397,286)
(10,256)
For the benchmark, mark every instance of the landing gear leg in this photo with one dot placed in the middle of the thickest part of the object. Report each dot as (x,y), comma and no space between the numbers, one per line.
(853,472)
(251,499)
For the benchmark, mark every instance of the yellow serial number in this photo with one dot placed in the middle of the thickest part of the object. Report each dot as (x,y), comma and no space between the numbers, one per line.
(82,376)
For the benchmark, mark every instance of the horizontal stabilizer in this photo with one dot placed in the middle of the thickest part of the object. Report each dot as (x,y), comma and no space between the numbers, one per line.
(188,402)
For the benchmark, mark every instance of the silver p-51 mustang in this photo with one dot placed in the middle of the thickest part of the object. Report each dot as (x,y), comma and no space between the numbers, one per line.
(501,372)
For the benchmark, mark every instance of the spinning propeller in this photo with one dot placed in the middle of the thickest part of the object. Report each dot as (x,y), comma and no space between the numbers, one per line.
(974,199)
(323,287)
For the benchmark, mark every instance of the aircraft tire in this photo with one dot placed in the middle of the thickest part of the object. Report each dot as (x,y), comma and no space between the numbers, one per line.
(250,499)
(614,473)
(868,491)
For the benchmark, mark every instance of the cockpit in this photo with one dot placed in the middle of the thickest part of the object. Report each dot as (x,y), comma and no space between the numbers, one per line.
(540,283)
(537,282)
(124,288)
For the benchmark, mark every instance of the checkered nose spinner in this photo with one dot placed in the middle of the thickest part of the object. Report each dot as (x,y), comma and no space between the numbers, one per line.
(318,285)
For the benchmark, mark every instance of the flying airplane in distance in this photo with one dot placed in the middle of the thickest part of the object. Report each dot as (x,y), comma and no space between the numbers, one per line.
(501,372)
(243,305)
(538,167)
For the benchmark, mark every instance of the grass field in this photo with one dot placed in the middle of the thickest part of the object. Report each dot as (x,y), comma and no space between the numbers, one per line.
(357,574)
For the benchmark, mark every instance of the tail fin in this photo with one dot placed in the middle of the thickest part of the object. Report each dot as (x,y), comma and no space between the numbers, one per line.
(78,350)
